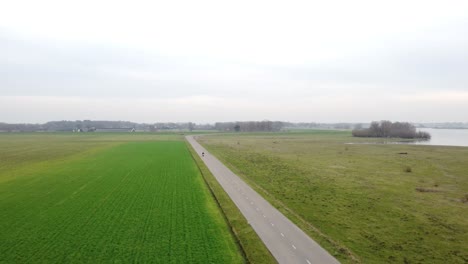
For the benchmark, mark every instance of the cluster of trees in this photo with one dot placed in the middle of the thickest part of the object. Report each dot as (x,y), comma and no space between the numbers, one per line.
(87,125)
(179,126)
(20,127)
(313,125)
(392,130)
(250,126)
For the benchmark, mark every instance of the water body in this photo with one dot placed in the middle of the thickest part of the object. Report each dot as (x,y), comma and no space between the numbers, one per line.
(439,137)
(445,137)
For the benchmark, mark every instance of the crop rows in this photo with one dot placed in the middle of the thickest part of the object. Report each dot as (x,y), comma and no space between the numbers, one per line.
(136,202)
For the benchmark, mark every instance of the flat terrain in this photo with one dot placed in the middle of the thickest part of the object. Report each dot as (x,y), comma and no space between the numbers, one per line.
(364,203)
(124,198)
(283,238)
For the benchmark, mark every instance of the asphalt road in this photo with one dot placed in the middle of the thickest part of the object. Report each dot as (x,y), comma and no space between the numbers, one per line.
(287,242)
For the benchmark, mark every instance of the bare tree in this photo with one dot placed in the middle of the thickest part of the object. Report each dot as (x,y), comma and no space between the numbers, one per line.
(389,129)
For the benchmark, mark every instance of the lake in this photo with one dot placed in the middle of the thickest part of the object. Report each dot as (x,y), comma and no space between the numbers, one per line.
(439,137)
(445,137)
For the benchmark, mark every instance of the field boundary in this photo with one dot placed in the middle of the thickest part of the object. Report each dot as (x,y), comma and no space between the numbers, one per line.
(231,229)
(252,248)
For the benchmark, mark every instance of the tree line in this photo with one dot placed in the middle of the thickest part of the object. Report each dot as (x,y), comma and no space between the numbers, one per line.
(250,126)
(91,126)
(376,129)
(82,125)
(388,129)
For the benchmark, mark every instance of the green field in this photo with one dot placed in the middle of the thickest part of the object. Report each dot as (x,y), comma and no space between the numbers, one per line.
(120,198)
(365,203)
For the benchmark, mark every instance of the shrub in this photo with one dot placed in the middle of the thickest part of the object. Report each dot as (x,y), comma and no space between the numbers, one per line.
(464,199)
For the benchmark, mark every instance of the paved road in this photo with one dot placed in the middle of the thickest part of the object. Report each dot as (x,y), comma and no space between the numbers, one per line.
(285,240)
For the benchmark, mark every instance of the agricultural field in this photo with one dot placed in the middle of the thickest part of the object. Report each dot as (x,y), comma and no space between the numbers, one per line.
(120,198)
(365,203)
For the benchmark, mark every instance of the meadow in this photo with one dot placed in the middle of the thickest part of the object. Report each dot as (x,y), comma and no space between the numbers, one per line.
(365,203)
(102,198)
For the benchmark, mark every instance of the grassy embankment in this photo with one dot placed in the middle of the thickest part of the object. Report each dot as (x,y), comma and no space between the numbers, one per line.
(78,198)
(364,203)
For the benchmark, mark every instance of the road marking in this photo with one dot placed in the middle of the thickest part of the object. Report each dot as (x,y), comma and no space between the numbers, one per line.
(282,234)
(264,215)
(272,224)
(293,246)
(308,261)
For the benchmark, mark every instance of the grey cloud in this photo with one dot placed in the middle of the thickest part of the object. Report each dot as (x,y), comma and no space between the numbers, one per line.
(32,67)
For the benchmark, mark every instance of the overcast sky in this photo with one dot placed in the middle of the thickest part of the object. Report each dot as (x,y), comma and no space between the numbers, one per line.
(207,61)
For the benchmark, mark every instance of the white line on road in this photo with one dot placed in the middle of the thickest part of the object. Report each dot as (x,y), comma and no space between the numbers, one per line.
(272,224)
(308,262)
(293,246)
(282,234)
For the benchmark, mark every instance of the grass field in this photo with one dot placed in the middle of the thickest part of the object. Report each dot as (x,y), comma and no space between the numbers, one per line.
(121,198)
(364,203)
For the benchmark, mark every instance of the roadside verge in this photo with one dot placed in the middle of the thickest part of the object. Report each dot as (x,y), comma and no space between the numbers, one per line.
(251,245)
